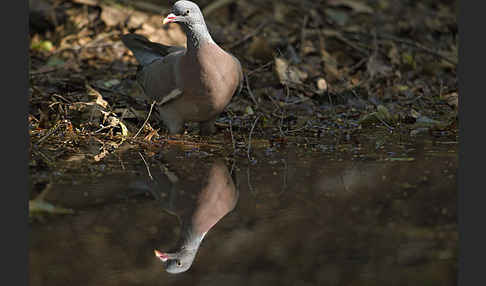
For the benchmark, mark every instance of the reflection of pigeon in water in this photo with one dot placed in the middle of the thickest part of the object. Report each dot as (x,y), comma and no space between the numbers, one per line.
(216,197)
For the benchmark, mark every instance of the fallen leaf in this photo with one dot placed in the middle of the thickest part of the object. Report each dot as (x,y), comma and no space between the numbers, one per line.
(394,55)
(100,156)
(451,98)
(308,48)
(377,67)
(418,131)
(152,133)
(123,128)
(42,206)
(54,62)
(288,74)
(321,85)
(402,87)
(423,121)
(330,65)
(76,157)
(381,115)
(249,110)
(111,82)
(407,59)
(99,99)
(46,46)
(112,15)
(338,16)
(415,114)
(356,6)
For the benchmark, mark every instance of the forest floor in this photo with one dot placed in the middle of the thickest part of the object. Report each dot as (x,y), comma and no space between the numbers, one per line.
(334,71)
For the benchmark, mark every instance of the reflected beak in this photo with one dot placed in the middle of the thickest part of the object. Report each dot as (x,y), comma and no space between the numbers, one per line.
(162,256)
(170,18)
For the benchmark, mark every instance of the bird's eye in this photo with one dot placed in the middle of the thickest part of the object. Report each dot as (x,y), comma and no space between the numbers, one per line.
(178,263)
(187,12)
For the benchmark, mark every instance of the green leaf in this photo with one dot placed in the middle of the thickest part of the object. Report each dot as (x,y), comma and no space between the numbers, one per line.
(54,61)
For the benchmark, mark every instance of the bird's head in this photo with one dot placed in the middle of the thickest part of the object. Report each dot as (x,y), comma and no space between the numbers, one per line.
(186,13)
(177,262)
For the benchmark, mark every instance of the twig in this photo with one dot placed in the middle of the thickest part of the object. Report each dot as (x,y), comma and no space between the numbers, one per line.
(249,181)
(410,43)
(50,132)
(382,121)
(46,158)
(298,129)
(250,92)
(249,136)
(146,120)
(232,137)
(146,165)
(418,46)
(357,65)
(304,99)
(259,68)
(249,36)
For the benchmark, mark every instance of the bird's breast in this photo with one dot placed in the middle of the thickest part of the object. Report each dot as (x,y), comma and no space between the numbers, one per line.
(209,72)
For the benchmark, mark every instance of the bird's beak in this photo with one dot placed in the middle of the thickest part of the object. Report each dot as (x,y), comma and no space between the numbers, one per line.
(170,18)
(162,256)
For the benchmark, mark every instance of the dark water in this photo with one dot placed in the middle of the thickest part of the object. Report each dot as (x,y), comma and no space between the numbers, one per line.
(302,218)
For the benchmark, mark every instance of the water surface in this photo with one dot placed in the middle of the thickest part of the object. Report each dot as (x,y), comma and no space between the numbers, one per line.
(302,218)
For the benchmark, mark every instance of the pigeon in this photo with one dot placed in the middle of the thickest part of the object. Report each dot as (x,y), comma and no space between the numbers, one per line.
(190,84)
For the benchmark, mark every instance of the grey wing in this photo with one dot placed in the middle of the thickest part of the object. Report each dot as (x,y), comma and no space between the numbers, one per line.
(159,79)
(146,51)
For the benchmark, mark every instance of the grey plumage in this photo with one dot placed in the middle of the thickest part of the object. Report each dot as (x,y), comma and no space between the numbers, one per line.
(194,83)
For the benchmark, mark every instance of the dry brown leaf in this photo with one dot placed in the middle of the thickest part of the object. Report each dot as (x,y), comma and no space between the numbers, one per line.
(151,134)
(101,155)
(377,67)
(113,16)
(308,48)
(330,65)
(394,55)
(76,157)
(452,99)
(136,19)
(288,74)
(321,85)
(99,99)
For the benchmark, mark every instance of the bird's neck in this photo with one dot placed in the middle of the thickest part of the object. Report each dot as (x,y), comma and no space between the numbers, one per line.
(190,238)
(197,35)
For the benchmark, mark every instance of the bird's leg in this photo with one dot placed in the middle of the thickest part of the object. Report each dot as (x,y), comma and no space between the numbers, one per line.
(207,127)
